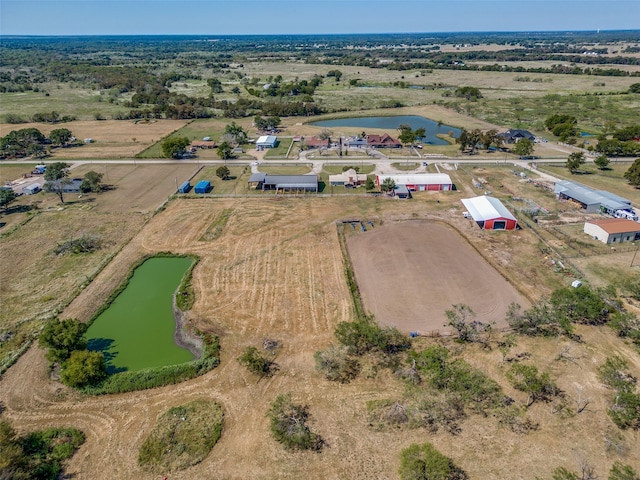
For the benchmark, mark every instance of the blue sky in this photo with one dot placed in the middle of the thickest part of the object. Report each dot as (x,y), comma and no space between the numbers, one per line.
(223,17)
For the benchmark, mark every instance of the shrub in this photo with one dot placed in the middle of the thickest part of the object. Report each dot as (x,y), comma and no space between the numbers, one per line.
(425,462)
(288,424)
(183,436)
(336,364)
(620,471)
(37,455)
(62,338)
(256,363)
(363,336)
(83,368)
(526,379)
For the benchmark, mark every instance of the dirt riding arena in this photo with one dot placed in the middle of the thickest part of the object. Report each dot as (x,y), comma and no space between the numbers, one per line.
(409,273)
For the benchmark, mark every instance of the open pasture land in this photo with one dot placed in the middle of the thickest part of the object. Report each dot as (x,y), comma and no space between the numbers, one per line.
(135,188)
(111,138)
(409,273)
(275,270)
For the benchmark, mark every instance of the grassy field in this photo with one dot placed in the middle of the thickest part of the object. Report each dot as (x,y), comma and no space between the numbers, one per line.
(281,150)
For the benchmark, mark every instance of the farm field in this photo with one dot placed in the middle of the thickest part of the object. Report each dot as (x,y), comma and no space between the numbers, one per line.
(275,270)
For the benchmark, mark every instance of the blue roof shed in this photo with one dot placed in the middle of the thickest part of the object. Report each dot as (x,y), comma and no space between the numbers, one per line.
(203,186)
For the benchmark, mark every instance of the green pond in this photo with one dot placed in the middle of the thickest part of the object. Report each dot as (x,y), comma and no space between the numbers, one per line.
(137,330)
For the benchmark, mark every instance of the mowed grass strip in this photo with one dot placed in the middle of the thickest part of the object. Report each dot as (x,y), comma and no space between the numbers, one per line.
(183,436)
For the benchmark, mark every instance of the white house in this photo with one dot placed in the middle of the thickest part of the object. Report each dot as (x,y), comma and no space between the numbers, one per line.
(613,230)
(267,141)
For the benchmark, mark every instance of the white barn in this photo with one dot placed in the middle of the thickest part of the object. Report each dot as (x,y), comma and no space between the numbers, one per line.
(267,141)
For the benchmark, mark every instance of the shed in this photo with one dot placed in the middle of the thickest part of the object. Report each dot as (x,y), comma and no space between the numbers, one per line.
(419,182)
(401,191)
(203,186)
(267,141)
(307,183)
(185,187)
(31,189)
(591,200)
(613,230)
(489,213)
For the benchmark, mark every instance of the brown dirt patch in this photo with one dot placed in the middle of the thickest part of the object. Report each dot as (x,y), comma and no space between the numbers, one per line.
(409,273)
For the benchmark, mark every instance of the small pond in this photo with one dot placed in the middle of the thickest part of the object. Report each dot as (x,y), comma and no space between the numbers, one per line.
(137,330)
(392,123)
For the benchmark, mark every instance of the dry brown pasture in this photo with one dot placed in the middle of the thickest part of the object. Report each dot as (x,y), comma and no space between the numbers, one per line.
(409,273)
(111,138)
(34,282)
(277,271)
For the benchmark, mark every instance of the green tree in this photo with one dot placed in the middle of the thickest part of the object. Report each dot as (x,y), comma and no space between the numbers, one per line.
(83,368)
(215,85)
(523,147)
(238,133)
(526,379)
(256,363)
(424,462)
(223,172)
(62,337)
(602,161)
(633,173)
(225,151)
(407,136)
(92,182)
(60,136)
(470,93)
(36,150)
(620,471)
(369,184)
(174,147)
(562,473)
(634,88)
(7,196)
(56,176)
(388,185)
(288,425)
(575,161)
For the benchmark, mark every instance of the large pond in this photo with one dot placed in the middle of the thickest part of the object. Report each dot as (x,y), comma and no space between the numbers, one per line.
(392,123)
(137,330)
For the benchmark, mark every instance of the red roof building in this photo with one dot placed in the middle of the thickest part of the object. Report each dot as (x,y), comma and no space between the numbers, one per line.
(382,141)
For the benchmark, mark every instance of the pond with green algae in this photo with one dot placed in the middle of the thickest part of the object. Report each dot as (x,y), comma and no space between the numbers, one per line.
(137,330)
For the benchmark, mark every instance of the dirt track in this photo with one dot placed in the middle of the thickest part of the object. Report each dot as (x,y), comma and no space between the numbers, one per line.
(409,273)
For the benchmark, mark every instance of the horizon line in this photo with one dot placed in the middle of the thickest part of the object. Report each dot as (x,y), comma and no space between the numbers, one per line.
(595,31)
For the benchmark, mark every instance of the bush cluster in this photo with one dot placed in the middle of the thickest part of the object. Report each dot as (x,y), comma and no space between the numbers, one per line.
(288,424)
(625,410)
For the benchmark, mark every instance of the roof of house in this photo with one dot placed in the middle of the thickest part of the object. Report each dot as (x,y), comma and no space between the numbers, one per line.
(383,139)
(588,196)
(616,225)
(418,178)
(484,208)
(267,139)
(315,142)
(518,133)
(348,176)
